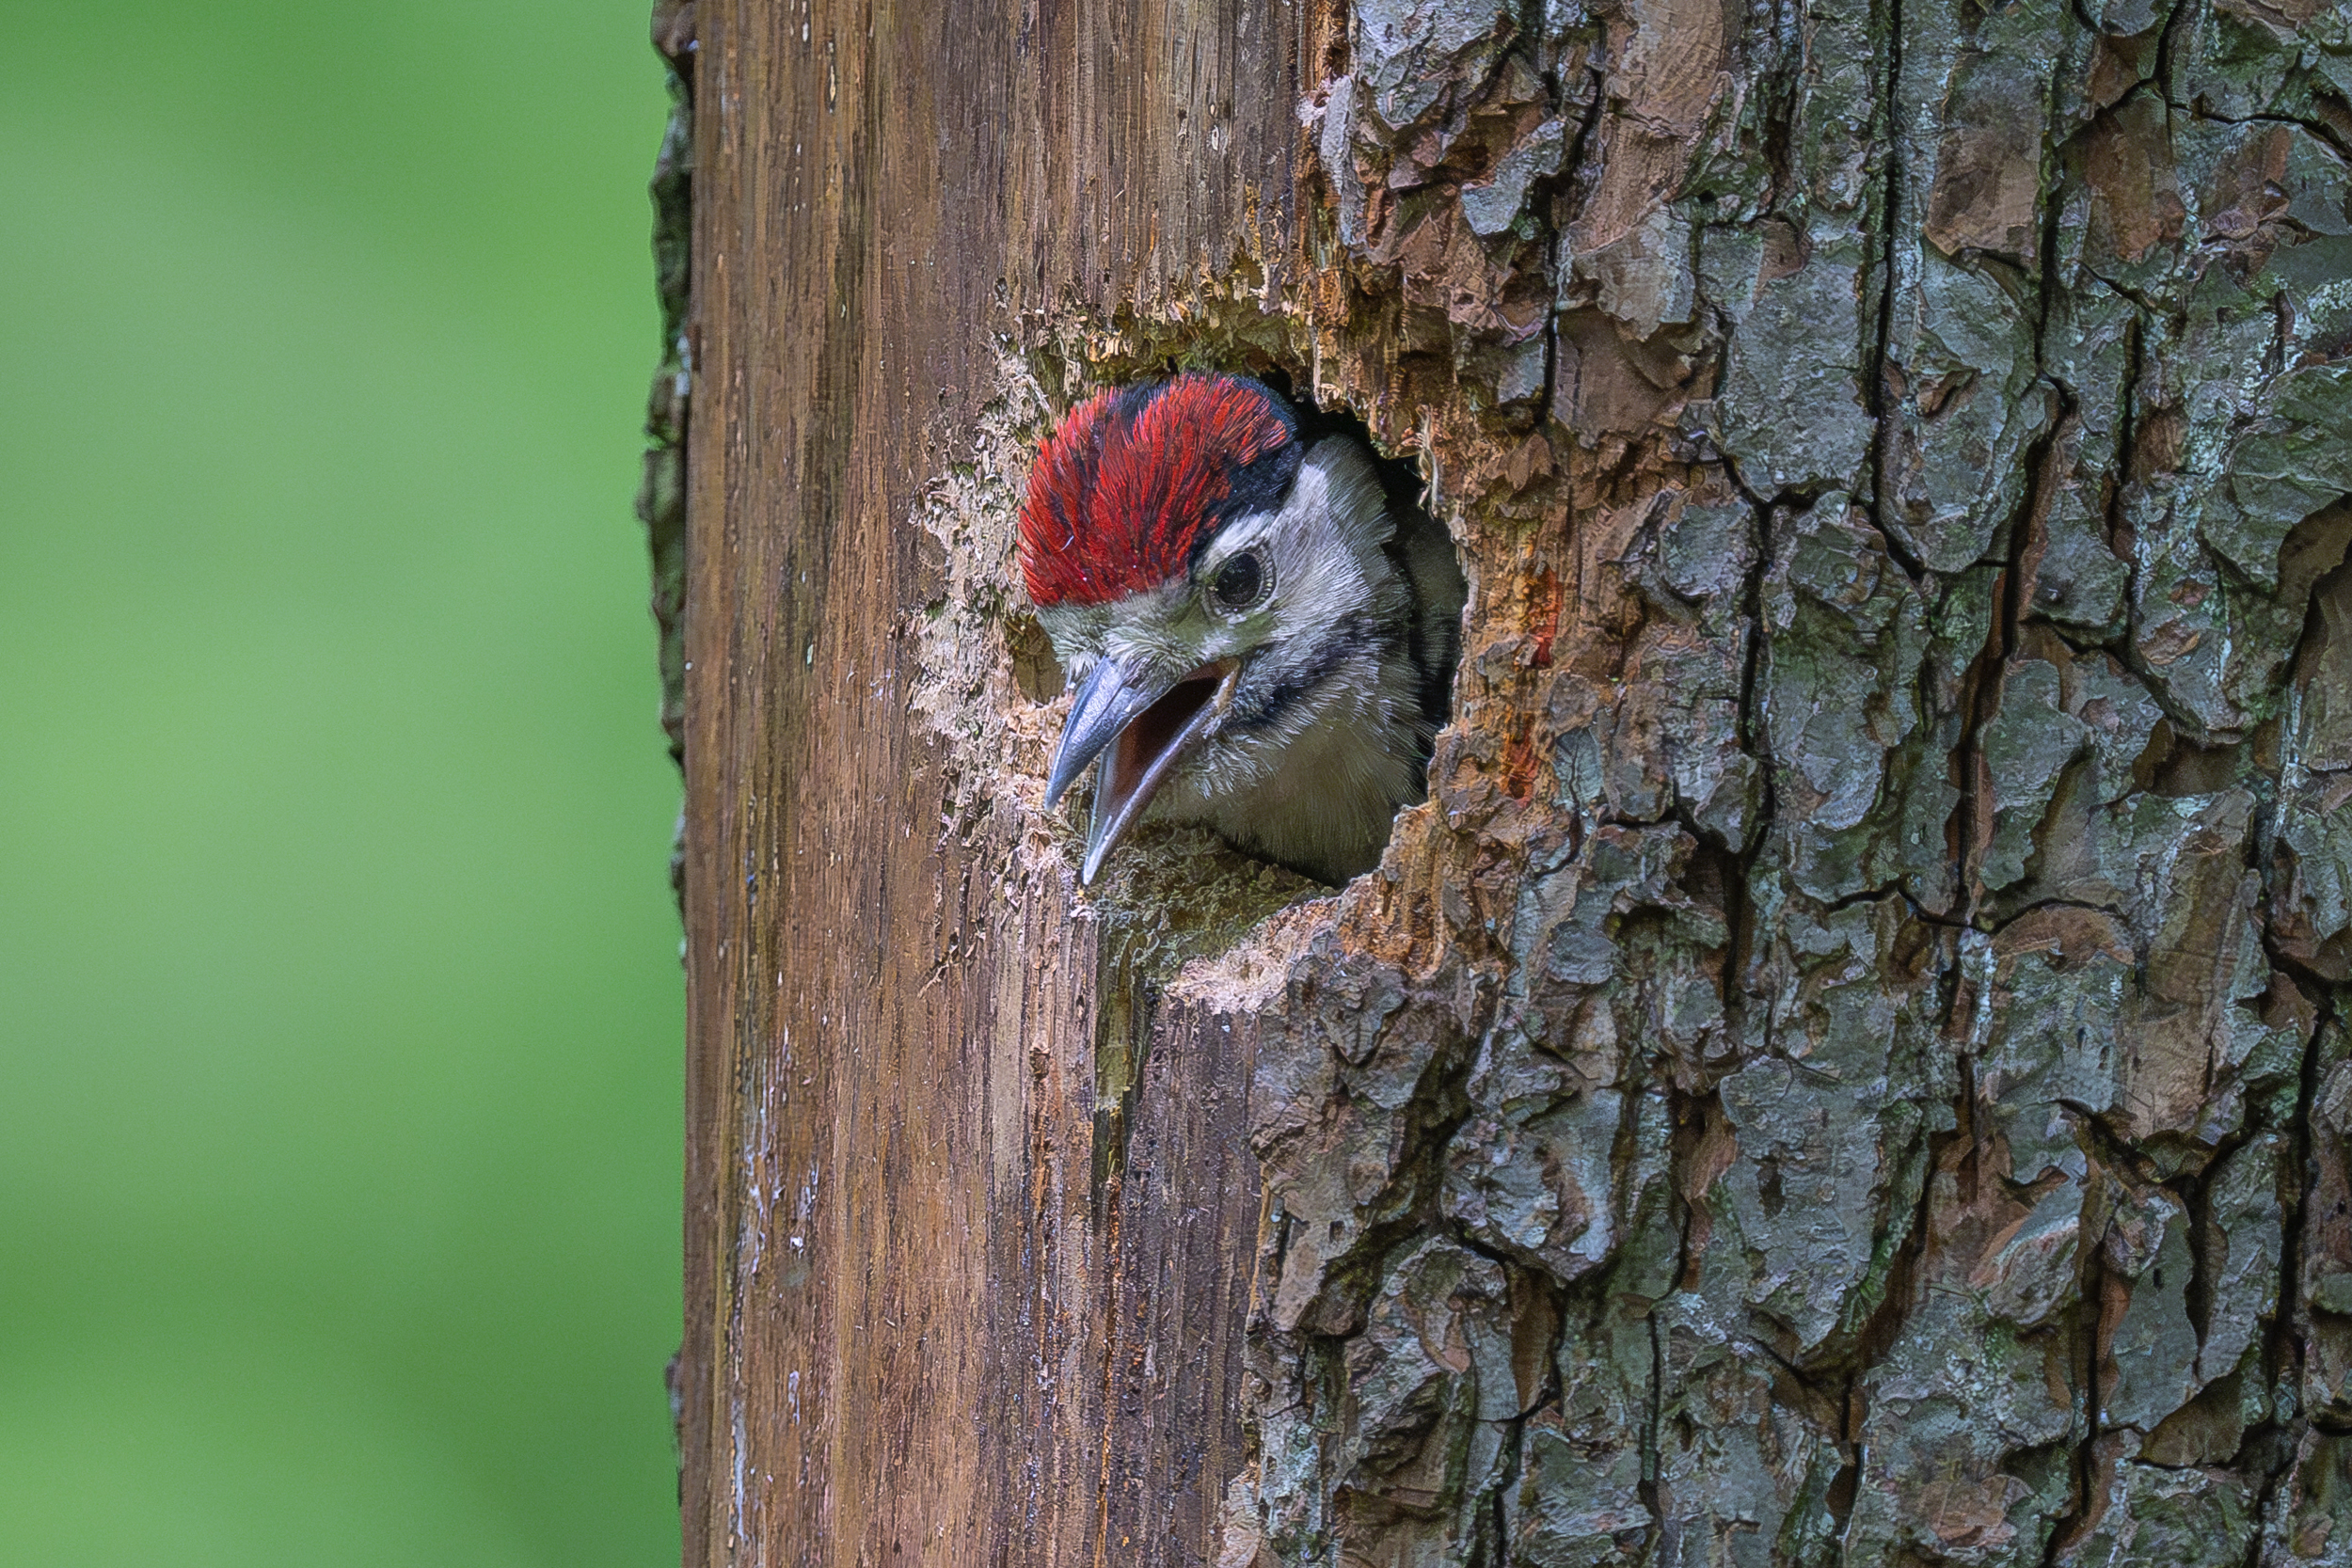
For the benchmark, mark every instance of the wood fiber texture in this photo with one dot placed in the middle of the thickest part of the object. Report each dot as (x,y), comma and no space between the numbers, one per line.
(1850,1066)
(948,1302)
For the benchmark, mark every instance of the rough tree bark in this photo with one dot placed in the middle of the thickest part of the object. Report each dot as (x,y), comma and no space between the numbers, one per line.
(1850,1065)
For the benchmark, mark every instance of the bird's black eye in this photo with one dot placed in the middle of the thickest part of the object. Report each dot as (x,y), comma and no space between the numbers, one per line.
(1240,582)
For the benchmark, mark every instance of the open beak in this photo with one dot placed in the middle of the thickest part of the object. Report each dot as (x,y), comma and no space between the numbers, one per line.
(1140,718)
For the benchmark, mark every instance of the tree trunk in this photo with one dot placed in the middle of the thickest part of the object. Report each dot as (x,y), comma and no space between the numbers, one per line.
(1848,1066)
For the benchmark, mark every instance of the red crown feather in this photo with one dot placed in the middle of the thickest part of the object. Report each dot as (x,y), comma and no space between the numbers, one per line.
(1132,481)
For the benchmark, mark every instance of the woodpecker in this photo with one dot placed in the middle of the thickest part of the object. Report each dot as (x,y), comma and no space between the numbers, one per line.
(1262,637)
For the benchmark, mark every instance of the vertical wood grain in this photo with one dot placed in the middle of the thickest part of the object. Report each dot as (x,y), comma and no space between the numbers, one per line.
(931,1336)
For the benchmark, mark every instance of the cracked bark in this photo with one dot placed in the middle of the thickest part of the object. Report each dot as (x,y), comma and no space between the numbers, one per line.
(1851,1064)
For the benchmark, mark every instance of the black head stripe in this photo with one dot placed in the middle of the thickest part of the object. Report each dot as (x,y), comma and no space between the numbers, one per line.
(1260,486)
(1254,488)
(1348,638)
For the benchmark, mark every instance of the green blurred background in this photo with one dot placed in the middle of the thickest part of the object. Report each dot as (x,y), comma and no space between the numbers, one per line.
(339,990)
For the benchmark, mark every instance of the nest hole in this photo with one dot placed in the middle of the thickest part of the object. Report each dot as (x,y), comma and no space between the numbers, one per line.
(1197,895)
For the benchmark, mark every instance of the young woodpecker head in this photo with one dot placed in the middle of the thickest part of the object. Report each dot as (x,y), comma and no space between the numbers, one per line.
(1260,641)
